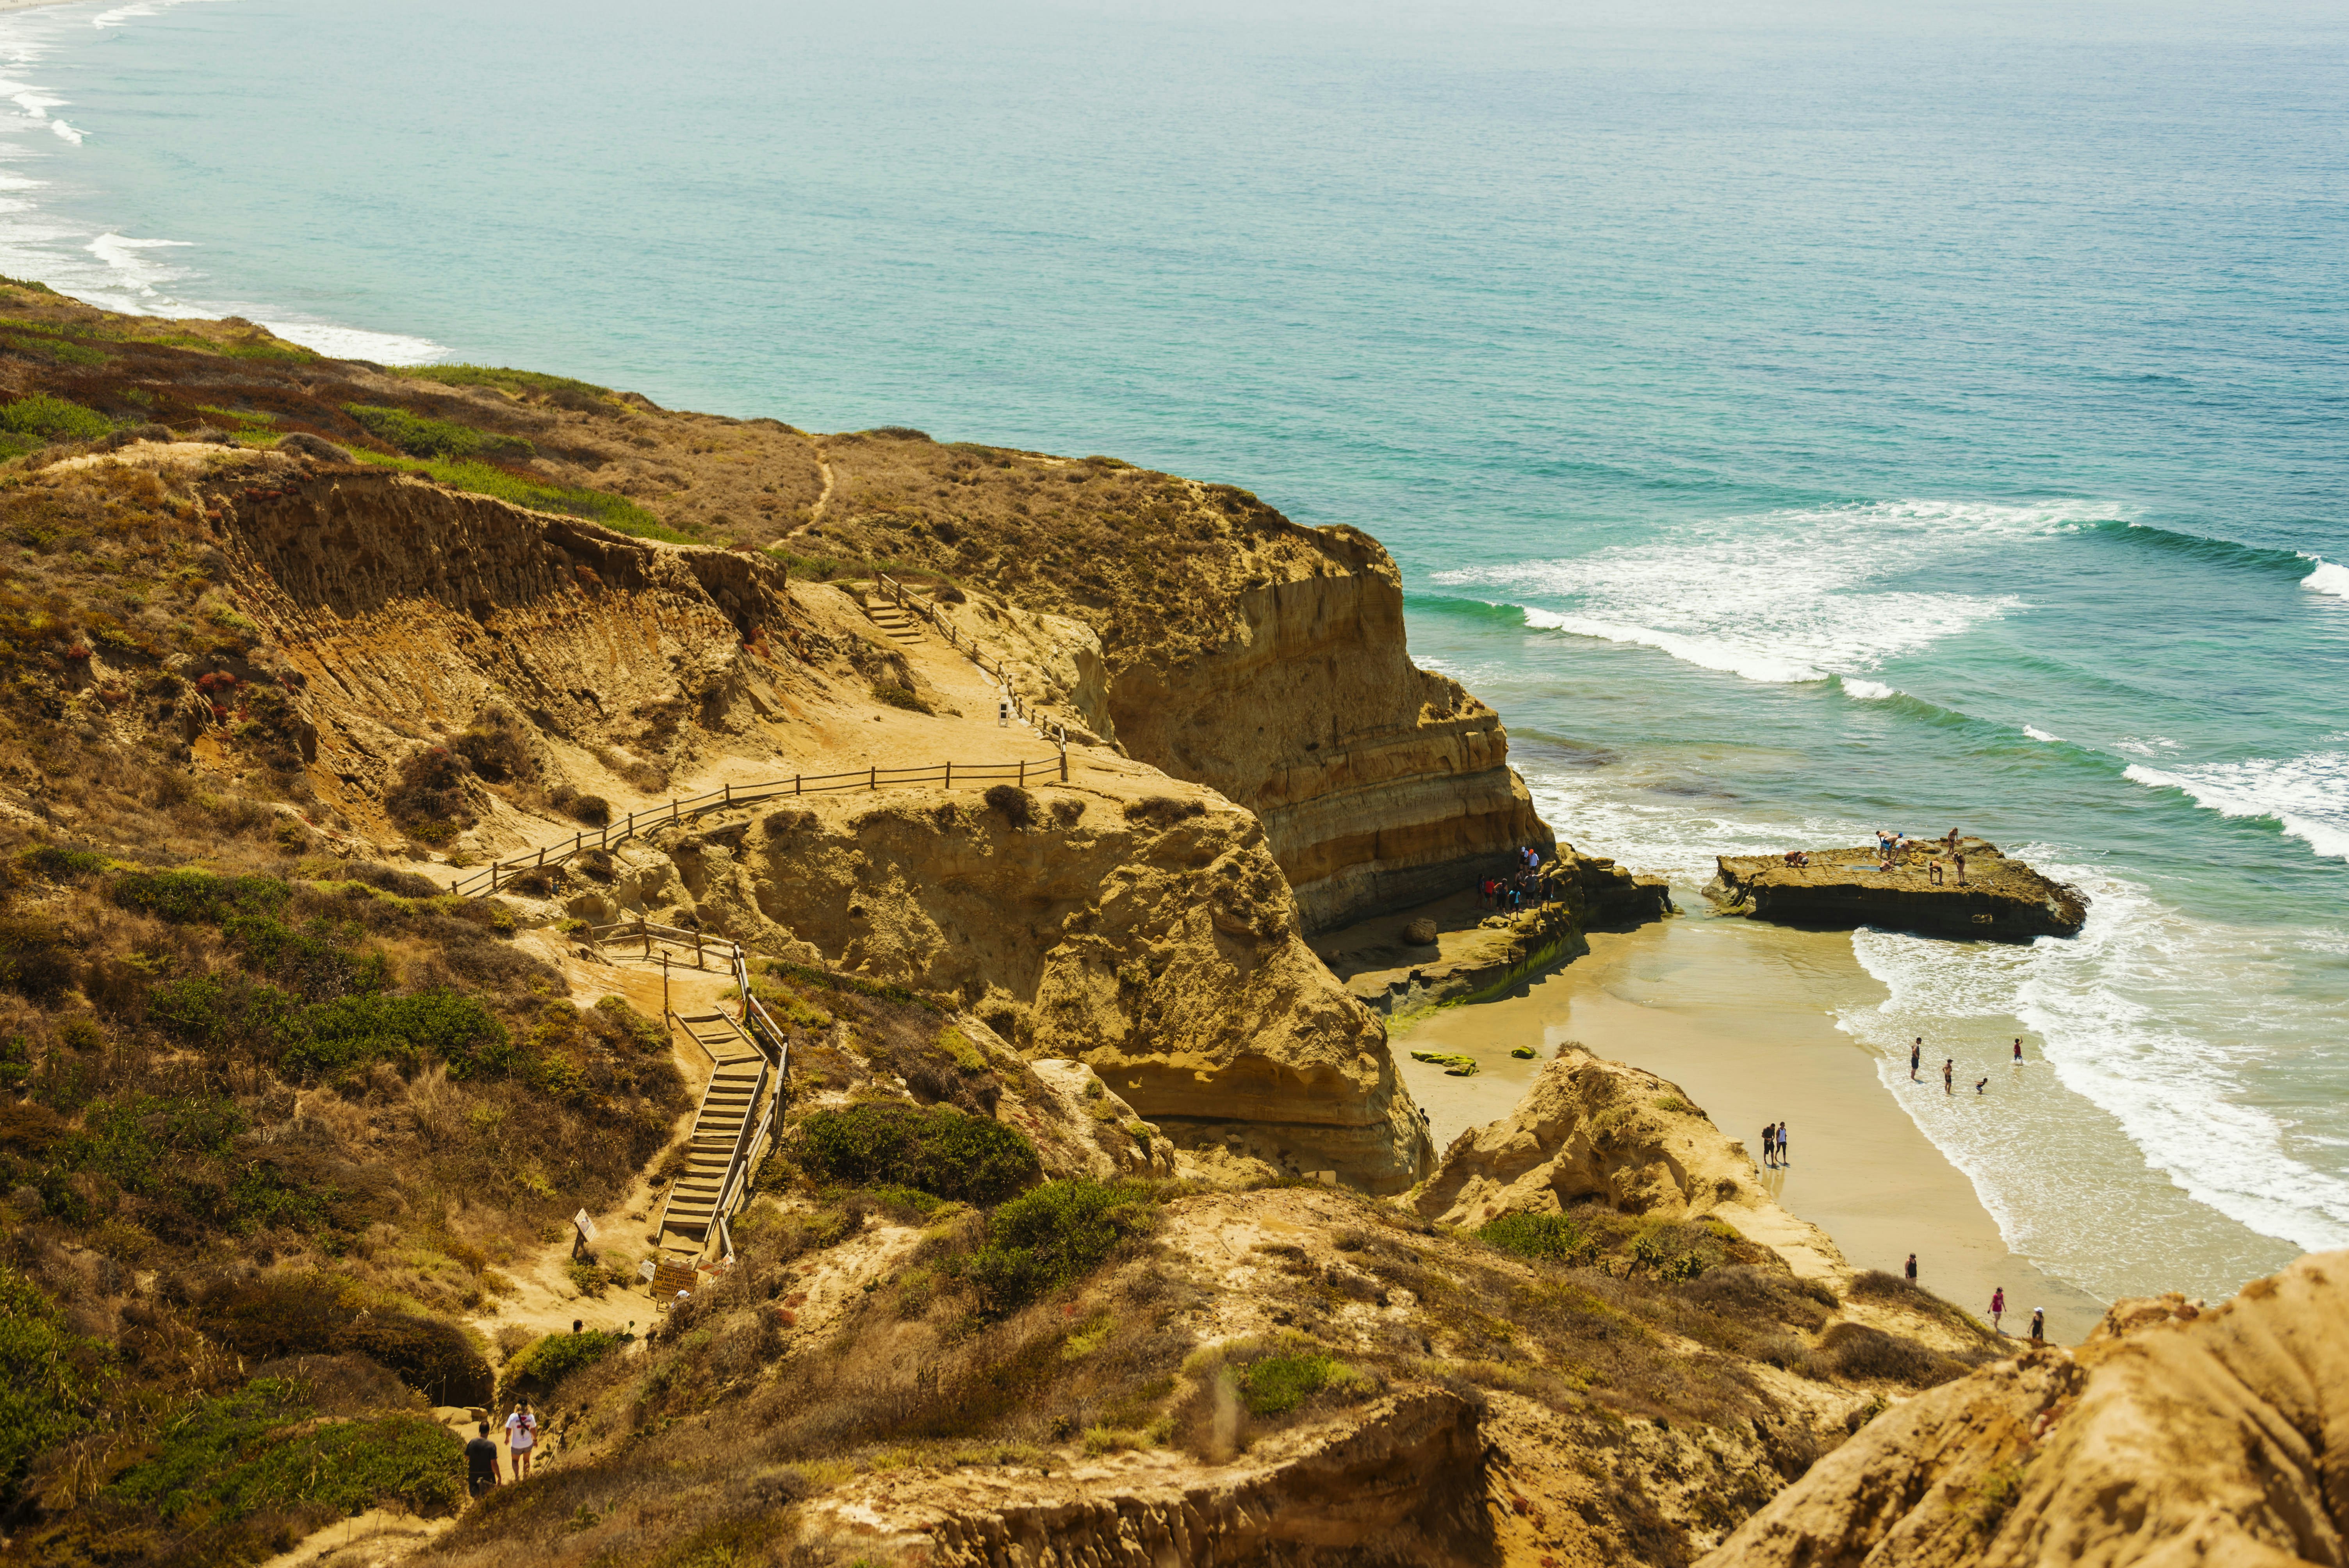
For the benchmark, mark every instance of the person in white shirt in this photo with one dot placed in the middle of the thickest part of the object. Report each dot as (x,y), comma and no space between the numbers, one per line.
(521,1438)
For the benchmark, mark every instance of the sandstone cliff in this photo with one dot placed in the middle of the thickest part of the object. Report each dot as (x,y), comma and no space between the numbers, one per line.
(2176,1434)
(1595,1129)
(1239,650)
(1150,936)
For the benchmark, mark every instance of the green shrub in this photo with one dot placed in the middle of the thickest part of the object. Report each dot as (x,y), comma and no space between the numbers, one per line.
(903,696)
(294,1314)
(482,479)
(1552,1236)
(52,419)
(1053,1237)
(60,864)
(442,1026)
(940,1150)
(422,436)
(548,1361)
(251,1451)
(189,897)
(1278,1384)
(502,378)
(49,1379)
(427,797)
(36,957)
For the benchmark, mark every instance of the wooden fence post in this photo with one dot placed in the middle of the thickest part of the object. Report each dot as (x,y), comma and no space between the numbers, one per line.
(795,783)
(729,793)
(1023,775)
(494,876)
(949,784)
(874,780)
(645,931)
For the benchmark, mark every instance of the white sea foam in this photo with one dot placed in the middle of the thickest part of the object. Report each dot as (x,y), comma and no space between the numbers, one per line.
(2155,1017)
(2308,797)
(145,277)
(2158,1025)
(1784,596)
(1866,691)
(356,342)
(2330,577)
(2035,733)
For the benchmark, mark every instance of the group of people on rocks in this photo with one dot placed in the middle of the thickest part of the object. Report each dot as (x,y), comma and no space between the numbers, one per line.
(1893,850)
(1528,884)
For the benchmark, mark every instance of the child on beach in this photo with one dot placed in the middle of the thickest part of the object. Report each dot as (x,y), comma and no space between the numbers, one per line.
(1978,1084)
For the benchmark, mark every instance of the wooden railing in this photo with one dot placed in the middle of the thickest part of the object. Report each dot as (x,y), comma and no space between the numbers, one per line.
(946,775)
(774,1046)
(908,600)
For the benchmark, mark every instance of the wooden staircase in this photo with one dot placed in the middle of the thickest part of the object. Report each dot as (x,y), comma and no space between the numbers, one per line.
(900,626)
(724,1129)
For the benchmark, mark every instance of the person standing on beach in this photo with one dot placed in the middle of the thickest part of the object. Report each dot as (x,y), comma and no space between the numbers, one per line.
(1912,1268)
(1769,1134)
(2018,1050)
(2038,1323)
(1916,1055)
(1949,1075)
(1997,1308)
(1781,1145)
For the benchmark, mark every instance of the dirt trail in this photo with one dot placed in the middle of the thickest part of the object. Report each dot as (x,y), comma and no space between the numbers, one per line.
(546,1301)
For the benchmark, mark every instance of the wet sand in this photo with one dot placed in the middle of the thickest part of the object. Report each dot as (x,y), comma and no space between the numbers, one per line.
(1740,1016)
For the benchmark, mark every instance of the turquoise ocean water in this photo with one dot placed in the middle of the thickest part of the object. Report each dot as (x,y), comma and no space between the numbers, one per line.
(1796,419)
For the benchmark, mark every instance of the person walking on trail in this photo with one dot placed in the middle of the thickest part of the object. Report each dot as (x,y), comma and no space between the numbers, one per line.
(1997,1308)
(2038,1323)
(480,1463)
(1916,1055)
(521,1438)
(1912,1268)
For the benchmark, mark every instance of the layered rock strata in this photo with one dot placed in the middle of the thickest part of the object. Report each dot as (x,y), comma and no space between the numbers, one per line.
(1381,785)
(2176,1434)
(2001,899)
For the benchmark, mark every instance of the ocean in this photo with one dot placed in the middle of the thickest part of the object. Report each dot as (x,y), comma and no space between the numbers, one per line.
(1796,419)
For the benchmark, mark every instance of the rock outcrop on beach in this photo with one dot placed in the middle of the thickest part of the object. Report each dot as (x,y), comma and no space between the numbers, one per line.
(2001,899)
(2176,1434)
(1595,1129)
(1452,952)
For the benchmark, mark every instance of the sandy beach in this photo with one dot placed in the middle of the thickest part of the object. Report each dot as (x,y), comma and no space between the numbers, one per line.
(1740,1016)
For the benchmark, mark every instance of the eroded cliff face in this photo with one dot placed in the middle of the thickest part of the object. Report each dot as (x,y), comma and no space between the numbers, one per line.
(1151,937)
(404,610)
(1381,785)
(2176,1434)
